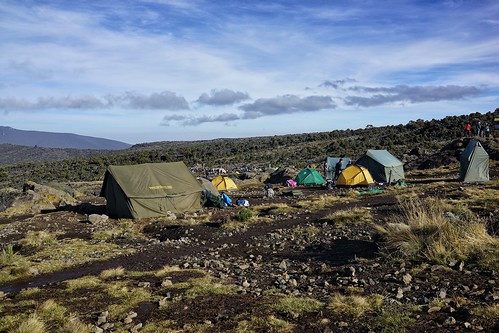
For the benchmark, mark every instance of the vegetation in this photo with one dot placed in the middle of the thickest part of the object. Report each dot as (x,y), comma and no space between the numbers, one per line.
(429,135)
(439,232)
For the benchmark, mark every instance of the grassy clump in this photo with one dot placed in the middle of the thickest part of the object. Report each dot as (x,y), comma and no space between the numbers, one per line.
(244,215)
(83,282)
(354,215)
(394,319)
(268,324)
(438,232)
(297,305)
(488,312)
(354,305)
(322,201)
(112,273)
(39,238)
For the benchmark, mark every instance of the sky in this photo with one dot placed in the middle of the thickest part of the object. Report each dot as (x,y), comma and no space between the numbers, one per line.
(141,71)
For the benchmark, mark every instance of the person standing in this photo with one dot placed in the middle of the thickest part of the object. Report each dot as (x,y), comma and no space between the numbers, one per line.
(487,130)
(468,129)
(479,129)
(337,169)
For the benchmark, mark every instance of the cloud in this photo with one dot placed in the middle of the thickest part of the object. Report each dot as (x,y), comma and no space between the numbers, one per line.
(194,121)
(165,100)
(83,102)
(222,97)
(156,101)
(409,94)
(335,84)
(286,104)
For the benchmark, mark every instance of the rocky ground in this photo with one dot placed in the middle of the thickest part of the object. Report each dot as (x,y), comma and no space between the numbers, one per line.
(282,273)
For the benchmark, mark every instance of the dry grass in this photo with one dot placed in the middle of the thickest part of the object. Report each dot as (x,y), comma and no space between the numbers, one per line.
(39,238)
(268,324)
(488,312)
(322,202)
(83,282)
(354,305)
(438,232)
(167,270)
(353,215)
(274,209)
(112,273)
(31,325)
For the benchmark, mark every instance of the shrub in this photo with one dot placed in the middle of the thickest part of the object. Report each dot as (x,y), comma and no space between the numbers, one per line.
(244,215)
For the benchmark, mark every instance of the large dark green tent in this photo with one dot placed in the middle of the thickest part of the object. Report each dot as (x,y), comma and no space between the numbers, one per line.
(309,176)
(151,189)
(474,163)
(383,166)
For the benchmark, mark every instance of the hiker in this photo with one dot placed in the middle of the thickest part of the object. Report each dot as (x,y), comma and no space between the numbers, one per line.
(329,184)
(479,129)
(325,169)
(487,130)
(337,169)
(468,129)
(269,191)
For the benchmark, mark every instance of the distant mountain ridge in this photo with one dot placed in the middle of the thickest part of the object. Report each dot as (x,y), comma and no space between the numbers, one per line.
(9,135)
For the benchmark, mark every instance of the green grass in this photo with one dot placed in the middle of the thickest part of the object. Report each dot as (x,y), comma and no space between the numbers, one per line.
(297,305)
(394,319)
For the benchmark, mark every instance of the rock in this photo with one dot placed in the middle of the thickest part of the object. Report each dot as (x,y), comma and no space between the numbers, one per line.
(163,301)
(97,329)
(101,320)
(2,294)
(407,278)
(136,328)
(246,284)
(96,218)
(107,326)
(283,265)
(33,271)
(342,324)
(434,309)
(400,293)
(442,293)
(166,283)
(450,321)
(144,284)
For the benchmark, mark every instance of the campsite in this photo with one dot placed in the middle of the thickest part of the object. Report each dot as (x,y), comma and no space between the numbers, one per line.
(389,248)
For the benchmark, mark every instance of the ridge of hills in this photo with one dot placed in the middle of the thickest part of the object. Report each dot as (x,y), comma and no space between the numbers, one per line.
(9,135)
(419,144)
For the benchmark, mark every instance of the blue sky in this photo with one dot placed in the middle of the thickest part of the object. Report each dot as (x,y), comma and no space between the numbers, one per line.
(159,70)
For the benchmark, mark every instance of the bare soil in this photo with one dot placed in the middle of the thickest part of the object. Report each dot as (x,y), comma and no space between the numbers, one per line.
(280,256)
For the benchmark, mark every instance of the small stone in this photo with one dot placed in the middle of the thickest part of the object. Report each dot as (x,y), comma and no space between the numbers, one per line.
(467,325)
(442,293)
(450,321)
(407,278)
(342,324)
(97,329)
(246,284)
(163,301)
(400,293)
(136,328)
(283,265)
(101,320)
(434,309)
(166,283)
(107,326)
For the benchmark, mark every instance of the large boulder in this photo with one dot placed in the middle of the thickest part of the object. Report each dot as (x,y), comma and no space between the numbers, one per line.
(33,199)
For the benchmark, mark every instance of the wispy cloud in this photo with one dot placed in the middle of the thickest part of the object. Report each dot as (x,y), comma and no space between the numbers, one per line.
(407,94)
(222,97)
(285,105)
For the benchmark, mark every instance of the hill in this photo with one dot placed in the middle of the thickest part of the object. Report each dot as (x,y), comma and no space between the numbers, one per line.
(420,144)
(9,135)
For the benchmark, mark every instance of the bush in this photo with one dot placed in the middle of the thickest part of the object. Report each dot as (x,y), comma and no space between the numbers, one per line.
(244,215)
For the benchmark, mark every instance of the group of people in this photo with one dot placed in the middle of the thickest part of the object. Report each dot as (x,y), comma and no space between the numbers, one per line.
(481,131)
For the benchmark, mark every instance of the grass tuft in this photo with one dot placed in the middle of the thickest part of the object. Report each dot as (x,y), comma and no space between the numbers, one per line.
(354,215)
(297,305)
(39,238)
(354,305)
(31,325)
(439,232)
(112,273)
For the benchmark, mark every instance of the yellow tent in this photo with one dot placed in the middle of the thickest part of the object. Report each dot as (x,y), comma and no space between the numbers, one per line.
(355,175)
(224,183)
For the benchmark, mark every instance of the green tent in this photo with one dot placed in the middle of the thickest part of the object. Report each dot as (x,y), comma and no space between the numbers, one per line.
(151,189)
(474,163)
(309,176)
(383,166)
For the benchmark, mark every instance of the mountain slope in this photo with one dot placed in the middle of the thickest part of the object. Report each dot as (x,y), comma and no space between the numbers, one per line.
(14,136)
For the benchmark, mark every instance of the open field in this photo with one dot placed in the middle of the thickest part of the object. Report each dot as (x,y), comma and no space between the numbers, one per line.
(410,259)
